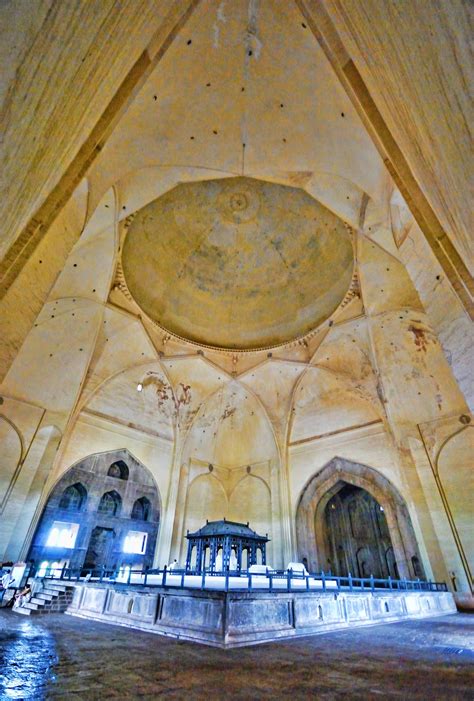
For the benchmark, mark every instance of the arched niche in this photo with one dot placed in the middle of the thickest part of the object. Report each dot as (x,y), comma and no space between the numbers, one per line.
(73,498)
(110,504)
(89,519)
(323,486)
(356,537)
(206,499)
(118,469)
(455,465)
(141,509)
(231,429)
(250,501)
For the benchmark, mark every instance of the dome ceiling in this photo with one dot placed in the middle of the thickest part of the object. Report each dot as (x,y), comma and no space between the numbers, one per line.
(237,263)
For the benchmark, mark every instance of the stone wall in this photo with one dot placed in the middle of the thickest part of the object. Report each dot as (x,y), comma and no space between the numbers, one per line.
(237,619)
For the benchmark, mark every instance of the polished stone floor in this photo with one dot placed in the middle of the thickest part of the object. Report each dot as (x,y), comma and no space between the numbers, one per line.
(60,657)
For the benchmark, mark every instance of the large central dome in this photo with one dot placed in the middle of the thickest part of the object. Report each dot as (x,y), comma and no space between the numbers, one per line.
(237,263)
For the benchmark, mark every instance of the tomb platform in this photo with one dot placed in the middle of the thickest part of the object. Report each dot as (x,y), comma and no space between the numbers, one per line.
(229,619)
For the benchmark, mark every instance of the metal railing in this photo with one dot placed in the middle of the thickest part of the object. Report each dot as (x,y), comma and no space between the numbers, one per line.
(233,580)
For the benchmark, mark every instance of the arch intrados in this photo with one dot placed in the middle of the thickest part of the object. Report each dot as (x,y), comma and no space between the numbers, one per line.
(317,481)
(224,387)
(250,476)
(122,371)
(310,366)
(206,475)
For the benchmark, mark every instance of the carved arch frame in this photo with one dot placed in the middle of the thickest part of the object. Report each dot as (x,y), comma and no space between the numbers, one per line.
(311,541)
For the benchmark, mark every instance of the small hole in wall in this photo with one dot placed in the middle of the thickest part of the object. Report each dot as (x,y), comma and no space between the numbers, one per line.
(155,97)
(438,277)
(284,141)
(342,114)
(80,349)
(106,206)
(192,138)
(208,85)
(303,25)
(242,89)
(281,104)
(189,42)
(250,52)
(41,261)
(50,355)
(93,290)
(124,207)
(74,265)
(214,131)
(52,316)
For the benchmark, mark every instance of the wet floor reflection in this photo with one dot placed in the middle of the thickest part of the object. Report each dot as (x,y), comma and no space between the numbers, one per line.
(27,657)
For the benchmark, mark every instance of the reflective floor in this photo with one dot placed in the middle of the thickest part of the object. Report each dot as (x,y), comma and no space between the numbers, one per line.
(61,657)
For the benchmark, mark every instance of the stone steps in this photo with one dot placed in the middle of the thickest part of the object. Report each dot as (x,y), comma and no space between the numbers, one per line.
(53,598)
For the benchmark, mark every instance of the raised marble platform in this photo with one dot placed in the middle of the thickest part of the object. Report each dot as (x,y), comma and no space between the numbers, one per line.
(232,619)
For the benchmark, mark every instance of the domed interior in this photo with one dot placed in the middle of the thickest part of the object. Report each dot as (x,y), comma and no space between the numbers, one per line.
(237,263)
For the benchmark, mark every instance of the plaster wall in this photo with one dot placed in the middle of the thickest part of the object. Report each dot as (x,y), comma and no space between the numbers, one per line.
(449,319)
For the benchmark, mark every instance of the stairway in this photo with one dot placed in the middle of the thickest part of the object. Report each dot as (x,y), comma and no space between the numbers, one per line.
(54,597)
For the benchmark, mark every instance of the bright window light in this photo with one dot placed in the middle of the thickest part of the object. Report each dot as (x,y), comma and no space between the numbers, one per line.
(123,573)
(135,542)
(62,535)
(42,569)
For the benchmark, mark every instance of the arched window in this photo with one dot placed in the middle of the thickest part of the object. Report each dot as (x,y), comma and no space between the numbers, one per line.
(119,470)
(110,504)
(141,509)
(73,498)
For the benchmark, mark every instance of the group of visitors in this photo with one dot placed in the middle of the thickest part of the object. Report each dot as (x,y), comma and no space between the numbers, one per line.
(12,596)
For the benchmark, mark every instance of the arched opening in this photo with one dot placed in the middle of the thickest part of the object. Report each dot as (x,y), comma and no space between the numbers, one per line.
(73,498)
(119,470)
(356,534)
(86,525)
(100,548)
(141,509)
(341,544)
(110,504)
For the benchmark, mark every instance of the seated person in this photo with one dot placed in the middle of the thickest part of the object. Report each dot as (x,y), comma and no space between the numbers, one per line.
(22,597)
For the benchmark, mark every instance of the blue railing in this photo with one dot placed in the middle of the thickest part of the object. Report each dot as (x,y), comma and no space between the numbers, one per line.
(274,580)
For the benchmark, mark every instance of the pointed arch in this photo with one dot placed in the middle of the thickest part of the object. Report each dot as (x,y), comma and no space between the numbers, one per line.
(322,486)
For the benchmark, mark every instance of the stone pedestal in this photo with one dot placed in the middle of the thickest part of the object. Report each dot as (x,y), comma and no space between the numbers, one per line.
(233,619)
